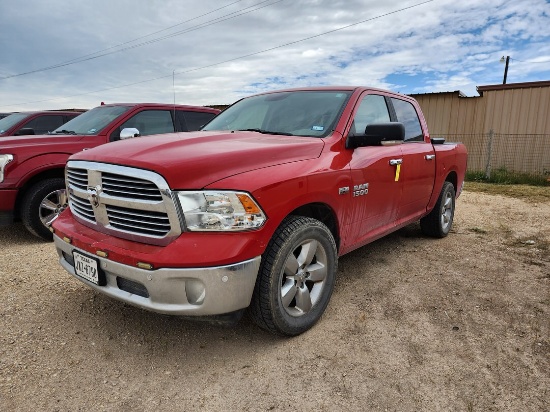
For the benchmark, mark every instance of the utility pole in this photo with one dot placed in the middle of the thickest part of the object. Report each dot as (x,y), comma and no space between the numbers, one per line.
(505,67)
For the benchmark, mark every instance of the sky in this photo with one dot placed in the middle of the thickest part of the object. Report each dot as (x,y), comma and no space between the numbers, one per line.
(56,54)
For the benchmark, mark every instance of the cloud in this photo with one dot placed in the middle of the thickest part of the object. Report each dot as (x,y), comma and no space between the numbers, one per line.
(438,46)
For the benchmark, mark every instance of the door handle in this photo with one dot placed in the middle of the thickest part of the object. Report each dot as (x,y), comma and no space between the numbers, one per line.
(395,162)
(429,157)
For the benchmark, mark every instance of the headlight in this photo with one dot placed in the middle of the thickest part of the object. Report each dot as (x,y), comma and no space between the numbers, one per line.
(4,160)
(220,211)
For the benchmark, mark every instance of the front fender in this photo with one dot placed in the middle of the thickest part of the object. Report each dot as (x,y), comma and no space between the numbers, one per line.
(18,173)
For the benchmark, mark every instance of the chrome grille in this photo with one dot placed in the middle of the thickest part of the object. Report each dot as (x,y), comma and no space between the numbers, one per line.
(132,220)
(125,202)
(130,187)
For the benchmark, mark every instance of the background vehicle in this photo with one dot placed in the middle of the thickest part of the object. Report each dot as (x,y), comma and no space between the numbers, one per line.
(256,211)
(32,184)
(32,123)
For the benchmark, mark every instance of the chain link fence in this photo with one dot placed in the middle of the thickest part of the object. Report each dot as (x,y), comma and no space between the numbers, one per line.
(506,157)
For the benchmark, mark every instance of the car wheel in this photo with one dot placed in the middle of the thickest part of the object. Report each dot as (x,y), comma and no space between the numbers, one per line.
(438,223)
(42,204)
(296,277)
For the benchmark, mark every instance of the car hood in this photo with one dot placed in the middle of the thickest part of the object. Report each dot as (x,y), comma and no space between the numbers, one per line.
(37,140)
(196,159)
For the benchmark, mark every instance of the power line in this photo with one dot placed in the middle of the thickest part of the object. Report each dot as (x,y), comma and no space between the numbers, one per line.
(105,52)
(150,34)
(236,58)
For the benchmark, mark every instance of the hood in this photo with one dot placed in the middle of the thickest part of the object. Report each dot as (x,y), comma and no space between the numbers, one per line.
(194,160)
(37,140)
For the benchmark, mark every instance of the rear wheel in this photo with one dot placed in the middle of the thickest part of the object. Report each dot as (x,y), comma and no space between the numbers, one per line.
(42,204)
(440,220)
(296,277)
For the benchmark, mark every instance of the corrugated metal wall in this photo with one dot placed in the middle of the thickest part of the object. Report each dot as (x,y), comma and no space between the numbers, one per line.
(522,110)
(449,113)
(507,128)
(518,111)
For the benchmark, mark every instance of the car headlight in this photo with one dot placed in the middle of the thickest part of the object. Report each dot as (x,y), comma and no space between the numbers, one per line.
(220,211)
(4,160)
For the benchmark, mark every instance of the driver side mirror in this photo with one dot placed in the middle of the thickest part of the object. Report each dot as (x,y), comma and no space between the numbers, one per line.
(378,134)
(129,132)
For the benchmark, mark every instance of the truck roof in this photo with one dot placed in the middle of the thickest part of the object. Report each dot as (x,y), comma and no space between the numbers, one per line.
(164,105)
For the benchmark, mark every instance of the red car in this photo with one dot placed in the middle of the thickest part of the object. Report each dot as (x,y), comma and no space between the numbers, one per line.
(32,186)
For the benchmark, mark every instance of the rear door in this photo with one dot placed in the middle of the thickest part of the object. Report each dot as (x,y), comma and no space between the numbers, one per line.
(417,171)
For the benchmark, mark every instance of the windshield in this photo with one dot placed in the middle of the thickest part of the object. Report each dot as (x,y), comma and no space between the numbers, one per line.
(92,121)
(11,120)
(294,113)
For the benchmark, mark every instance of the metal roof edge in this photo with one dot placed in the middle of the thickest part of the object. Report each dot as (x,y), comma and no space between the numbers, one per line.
(510,86)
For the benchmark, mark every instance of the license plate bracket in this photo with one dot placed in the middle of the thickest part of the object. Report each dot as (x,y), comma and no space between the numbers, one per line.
(89,268)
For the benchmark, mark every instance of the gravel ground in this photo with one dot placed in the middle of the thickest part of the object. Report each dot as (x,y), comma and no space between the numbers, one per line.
(457,324)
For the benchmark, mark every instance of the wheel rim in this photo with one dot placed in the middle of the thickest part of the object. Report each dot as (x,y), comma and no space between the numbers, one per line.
(52,205)
(447,212)
(304,277)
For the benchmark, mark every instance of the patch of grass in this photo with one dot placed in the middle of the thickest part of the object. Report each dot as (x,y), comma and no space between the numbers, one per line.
(525,192)
(504,177)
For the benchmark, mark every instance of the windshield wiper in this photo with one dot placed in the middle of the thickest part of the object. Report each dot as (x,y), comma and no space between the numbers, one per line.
(65,131)
(266,132)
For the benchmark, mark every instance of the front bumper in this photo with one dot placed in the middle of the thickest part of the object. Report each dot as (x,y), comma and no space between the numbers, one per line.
(175,291)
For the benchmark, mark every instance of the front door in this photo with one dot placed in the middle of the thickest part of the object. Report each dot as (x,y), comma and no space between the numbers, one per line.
(375,193)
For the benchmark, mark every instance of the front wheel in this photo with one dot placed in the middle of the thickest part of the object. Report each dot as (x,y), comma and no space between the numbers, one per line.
(42,204)
(438,223)
(296,277)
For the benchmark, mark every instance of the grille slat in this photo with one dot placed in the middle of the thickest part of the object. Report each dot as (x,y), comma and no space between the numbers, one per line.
(78,178)
(129,205)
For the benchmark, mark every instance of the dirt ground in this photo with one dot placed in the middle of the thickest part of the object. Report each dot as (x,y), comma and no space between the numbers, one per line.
(414,324)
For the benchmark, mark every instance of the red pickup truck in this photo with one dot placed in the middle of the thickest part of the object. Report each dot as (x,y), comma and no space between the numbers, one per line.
(254,210)
(32,186)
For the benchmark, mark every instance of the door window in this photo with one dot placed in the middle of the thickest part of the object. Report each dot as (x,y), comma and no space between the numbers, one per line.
(195,120)
(373,109)
(407,115)
(151,122)
(44,124)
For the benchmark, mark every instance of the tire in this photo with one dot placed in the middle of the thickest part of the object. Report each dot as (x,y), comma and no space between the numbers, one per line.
(440,220)
(296,277)
(42,204)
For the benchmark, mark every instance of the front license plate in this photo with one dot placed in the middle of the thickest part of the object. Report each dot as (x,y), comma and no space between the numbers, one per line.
(88,268)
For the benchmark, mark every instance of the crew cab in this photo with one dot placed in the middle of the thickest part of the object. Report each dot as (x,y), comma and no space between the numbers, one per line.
(254,210)
(38,122)
(32,186)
